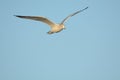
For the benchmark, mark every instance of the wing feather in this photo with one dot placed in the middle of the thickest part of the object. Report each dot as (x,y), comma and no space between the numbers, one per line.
(38,18)
(72,15)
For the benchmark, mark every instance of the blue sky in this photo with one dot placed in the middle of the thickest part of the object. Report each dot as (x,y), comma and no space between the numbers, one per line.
(89,49)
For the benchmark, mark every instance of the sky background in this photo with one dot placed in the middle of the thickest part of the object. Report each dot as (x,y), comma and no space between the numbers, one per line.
(89,49)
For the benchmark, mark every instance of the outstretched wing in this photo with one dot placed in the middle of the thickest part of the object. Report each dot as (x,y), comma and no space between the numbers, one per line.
(72,15)
(38,18)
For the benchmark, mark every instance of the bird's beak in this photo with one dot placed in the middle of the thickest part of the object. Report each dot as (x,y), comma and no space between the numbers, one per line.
(64,28)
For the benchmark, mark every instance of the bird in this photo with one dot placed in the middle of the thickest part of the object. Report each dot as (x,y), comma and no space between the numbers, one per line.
(55,28)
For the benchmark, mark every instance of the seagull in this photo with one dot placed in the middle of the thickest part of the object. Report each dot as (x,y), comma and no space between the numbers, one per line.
(55,28)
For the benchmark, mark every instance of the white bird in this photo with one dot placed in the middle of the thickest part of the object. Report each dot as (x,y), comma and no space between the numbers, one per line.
(55,28)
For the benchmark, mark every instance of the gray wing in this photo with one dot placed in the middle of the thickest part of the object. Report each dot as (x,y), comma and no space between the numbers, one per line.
(38,18)
(73,15)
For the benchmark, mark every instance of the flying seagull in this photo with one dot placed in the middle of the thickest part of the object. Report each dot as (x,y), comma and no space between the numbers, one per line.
(55,28)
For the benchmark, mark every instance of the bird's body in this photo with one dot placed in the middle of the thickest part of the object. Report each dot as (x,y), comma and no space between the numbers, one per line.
(55,28)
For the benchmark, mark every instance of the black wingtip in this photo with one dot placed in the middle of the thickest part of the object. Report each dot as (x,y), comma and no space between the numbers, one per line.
(85,8)
(18,16)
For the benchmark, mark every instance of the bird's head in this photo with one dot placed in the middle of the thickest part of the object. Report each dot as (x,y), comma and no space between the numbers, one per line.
(63,26)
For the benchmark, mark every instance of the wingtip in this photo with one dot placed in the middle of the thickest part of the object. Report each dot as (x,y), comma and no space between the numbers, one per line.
(86,8)
(18,16)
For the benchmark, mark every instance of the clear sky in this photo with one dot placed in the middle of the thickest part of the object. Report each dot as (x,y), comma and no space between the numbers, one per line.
(89,49)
